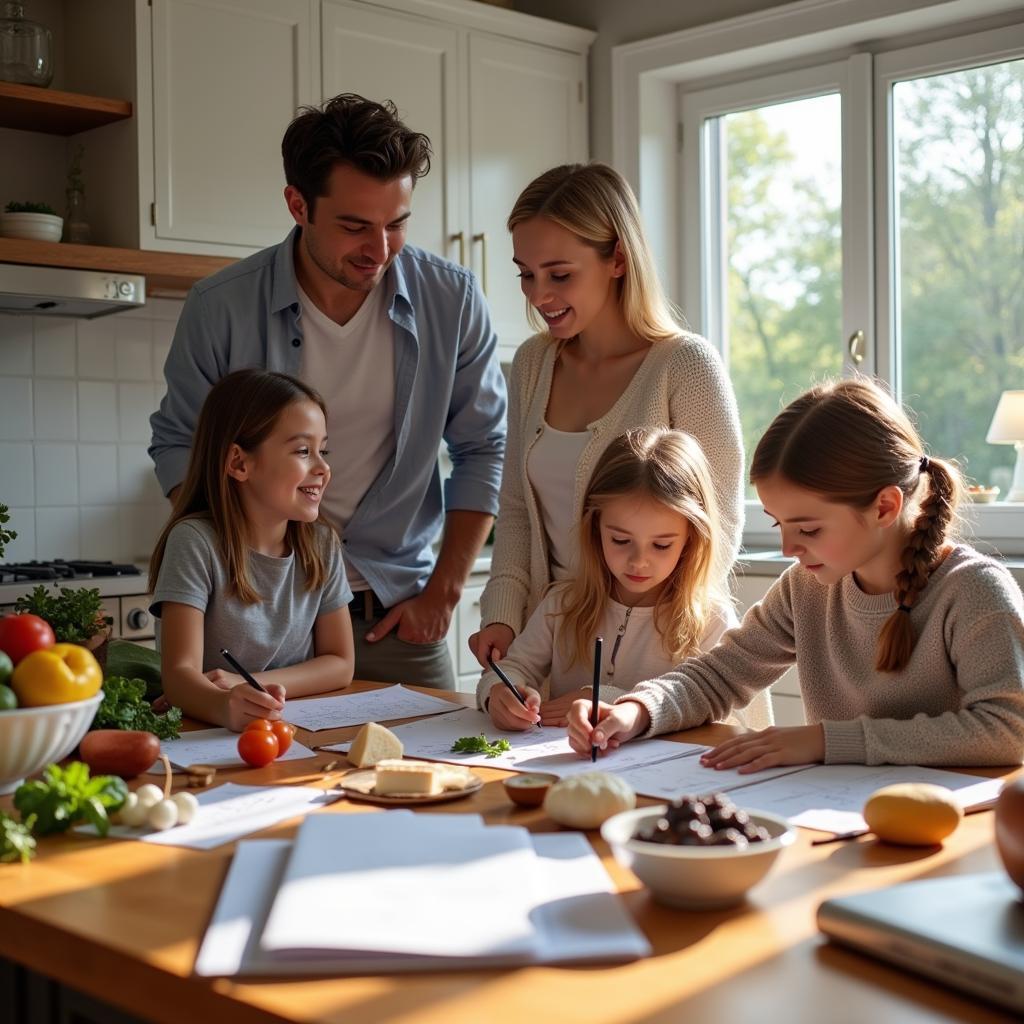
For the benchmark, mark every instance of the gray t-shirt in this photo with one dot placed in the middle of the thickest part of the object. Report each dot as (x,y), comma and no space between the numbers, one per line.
(274,633)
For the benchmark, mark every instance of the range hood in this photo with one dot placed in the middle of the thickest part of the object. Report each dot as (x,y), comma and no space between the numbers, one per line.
(56,291)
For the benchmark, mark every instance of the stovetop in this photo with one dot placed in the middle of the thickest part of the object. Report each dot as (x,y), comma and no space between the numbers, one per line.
(63,569)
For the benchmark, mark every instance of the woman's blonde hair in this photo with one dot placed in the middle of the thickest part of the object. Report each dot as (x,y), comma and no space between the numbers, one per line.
(668,467)
(241,408)
(596,204)
(847,440)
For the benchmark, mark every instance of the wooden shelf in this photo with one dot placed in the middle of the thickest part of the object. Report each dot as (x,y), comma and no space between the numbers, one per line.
(34,109)
(166,273)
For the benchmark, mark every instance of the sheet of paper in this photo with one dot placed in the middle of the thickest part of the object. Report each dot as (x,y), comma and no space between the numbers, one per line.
(218,747)
(446,896)
(669,780)
(829,797)
(228,812)
(579,919)
(386,705)
(535,750)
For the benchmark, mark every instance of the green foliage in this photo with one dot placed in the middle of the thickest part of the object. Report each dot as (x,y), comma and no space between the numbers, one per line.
(16,841)
(65,796)
(30,208)
(133,661)
(480,745)
(76,615)
(124,707)
(6,536)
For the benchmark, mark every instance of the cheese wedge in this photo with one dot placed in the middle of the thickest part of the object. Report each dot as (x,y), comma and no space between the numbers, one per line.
(374,743)
(408,778)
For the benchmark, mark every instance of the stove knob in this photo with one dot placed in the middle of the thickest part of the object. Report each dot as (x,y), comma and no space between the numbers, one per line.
(137,618)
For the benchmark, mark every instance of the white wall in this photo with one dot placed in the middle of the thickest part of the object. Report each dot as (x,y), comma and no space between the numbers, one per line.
(617,22)
(75,401)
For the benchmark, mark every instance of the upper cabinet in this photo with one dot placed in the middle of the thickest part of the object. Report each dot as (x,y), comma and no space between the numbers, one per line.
(502,97)
(226,78)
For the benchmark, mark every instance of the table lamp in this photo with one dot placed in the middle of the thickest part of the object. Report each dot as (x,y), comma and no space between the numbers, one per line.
(1008,428)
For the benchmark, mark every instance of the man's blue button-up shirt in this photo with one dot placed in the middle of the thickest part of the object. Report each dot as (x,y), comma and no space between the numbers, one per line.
(448,385)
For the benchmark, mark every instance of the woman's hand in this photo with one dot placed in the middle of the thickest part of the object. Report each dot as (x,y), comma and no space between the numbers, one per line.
(507,713)
(494,640)
(244,704)
(769,748)
(617,723)
(556,711)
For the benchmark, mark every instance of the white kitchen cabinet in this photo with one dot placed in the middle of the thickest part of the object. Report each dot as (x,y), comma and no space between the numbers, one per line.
(787,703)
(226,78)
(465,622)
(502,97)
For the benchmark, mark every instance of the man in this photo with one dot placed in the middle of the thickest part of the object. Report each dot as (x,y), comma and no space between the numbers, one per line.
(399,343)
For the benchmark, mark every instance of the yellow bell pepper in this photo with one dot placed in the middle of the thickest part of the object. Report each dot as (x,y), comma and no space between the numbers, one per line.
(57,675)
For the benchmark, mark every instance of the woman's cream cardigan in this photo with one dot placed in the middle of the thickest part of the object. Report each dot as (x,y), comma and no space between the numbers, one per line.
(680,384)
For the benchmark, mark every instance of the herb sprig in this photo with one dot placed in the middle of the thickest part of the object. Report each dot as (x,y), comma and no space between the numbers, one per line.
(65,796)
(75,615)
(480,745)
(124,707)
(16,841)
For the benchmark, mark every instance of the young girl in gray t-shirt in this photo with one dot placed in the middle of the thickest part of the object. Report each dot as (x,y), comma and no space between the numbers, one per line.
(246,563)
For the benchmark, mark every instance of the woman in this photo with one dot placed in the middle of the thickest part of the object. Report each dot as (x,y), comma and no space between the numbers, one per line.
(610,357)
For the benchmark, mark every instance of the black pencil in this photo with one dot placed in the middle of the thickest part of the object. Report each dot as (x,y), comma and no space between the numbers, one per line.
(598,644)
(229,658)
(508,682)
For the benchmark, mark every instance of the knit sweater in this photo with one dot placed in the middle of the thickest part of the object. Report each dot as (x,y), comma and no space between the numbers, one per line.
(958,701)
(680,384)
(536,656)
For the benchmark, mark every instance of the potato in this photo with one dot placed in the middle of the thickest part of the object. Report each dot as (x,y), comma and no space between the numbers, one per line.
(119,752)
(912,813)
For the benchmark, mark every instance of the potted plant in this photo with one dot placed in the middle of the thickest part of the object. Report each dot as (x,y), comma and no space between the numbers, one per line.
(31,220)
(6,536)
(76,615)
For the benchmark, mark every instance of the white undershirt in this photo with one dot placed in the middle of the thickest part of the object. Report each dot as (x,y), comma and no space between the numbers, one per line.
(551,469)
(352,365)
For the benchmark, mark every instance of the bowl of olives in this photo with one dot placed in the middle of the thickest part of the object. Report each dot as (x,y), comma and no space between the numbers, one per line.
(699,852)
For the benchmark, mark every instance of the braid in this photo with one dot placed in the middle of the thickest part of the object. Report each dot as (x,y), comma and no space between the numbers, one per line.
(924,546)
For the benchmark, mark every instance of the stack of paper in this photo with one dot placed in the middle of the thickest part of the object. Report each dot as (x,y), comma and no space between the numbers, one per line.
(400,892)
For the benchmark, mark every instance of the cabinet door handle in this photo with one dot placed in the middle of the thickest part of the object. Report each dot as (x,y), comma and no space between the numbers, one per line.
(461,239)
(482,239)
(855,346)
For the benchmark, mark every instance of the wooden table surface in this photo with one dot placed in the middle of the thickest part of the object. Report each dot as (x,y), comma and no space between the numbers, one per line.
(122,922)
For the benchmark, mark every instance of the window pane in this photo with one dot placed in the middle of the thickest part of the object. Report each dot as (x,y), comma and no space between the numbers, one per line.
(781,311)
(959,180)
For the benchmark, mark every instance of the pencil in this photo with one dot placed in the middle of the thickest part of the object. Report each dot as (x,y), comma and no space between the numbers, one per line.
(229,658)
(598,644)
(508,682)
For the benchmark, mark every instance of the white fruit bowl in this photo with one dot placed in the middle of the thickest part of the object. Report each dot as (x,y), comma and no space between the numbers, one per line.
(695,877)
(42,227)
(30,738)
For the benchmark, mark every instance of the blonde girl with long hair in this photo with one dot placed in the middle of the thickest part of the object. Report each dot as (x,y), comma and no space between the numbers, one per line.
(909,645)
(647,580)
(611,355)
(246,562)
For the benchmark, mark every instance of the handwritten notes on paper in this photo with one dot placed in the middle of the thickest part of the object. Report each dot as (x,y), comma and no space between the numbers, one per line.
(217,747)
(358,708)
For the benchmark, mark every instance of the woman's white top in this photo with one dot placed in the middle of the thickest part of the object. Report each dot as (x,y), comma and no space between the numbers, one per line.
(551,469)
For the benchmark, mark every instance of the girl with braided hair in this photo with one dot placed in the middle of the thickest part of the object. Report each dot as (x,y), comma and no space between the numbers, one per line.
(909,645)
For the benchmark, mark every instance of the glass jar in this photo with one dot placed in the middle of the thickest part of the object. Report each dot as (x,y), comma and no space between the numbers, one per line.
(76,223)
(26,48)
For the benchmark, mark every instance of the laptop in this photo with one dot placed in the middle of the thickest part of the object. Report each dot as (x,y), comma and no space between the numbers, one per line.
(966,931)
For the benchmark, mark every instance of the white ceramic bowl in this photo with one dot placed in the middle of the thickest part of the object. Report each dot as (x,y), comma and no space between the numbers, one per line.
(30,738)
(42,227)
(695,877)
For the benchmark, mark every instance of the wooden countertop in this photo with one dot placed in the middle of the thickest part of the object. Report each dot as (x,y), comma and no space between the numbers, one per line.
(122,921)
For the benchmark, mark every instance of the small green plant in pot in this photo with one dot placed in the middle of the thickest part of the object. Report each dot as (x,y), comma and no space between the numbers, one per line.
(37,221)
(76,615)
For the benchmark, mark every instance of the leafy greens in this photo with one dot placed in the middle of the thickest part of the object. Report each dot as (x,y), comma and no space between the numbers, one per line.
(124,707)
(480,745)
(65,796)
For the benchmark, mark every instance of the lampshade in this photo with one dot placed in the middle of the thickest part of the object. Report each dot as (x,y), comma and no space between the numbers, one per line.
(1008,422)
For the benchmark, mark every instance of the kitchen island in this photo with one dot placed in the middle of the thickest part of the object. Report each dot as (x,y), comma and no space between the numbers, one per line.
(116,925)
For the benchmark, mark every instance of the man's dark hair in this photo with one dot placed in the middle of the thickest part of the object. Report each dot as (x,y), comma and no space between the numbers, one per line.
(353,130)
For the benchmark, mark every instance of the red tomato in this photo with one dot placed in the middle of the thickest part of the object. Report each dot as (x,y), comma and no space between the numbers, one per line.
(284,733)
(257,748)
(22,634)
(258,725)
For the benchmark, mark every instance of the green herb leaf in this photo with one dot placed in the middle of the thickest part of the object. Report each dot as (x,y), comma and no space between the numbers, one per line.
(16,841)
(124,707)
(75,615)
(480,745)
(67,795)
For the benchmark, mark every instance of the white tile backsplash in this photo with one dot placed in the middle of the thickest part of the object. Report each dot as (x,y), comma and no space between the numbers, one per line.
(55,408)
(56,474)
(54,346)
(75,402)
